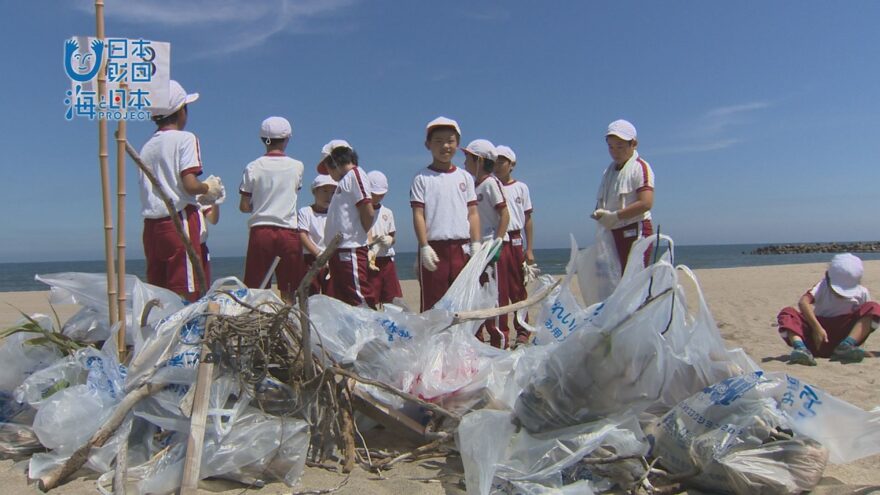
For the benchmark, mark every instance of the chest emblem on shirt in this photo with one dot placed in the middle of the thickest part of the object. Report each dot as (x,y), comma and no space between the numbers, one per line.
(462,186)
(518,200)
(480,197)
(385,217)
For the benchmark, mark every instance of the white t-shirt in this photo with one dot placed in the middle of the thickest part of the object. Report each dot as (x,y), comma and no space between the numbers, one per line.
(171,154)
(828,303)
(519,204)
(490,202)
(445,196)
(272,182)
(312,221)
(620,188)
(343,215)
(382,225)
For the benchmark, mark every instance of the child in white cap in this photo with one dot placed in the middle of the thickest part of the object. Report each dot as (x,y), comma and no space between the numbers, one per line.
(480,156)
(518,259)
(444,210)
(626,194)
(835,317)
(383,279)
(173,154)
(269,188)
(311,221)
(351,215)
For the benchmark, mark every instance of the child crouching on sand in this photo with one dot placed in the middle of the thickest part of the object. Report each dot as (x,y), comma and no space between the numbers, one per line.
(835,317)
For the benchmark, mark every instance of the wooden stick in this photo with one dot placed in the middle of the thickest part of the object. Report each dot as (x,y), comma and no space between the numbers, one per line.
(121,128)
(81,455)
(269,272)
(199,417)
(194,258)
(482,314)
(302,296)
(105,174)
(349,449)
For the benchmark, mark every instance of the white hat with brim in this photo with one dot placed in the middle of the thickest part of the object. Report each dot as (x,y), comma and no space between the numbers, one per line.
(622,129)
(275,128)
(327,149)
(323,180)
(443,122)
(506,152)
(378,182)
(482,148)
(177,98)
(845,274)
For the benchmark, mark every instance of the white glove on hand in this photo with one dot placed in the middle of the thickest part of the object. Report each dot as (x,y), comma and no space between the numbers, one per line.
(530,272)
(607,218)
(371,257)
(385,241)
(428,257)
(475,246)
(215,190)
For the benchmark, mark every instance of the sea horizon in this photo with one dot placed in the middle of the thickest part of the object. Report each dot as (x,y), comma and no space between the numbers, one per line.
(19,276)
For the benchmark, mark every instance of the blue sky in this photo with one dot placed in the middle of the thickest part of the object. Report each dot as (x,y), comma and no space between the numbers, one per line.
(759,118)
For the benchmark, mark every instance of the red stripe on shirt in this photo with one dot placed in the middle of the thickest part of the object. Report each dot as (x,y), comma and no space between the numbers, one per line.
(501,205)
(416,204)
(360,183)
(645,174)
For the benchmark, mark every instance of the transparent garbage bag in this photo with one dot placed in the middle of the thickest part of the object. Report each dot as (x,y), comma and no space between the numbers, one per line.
(17,437)
(21,359)
(598,268)
(746,434)
(499,459)
(642,351)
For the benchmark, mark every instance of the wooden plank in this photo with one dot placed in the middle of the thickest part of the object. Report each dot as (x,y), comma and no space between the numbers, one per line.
(391,419)
(199,417)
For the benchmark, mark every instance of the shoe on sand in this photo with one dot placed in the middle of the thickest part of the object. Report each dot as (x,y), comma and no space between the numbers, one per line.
(801,356)
(848,353)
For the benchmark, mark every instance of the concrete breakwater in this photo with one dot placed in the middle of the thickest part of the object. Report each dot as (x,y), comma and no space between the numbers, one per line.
(820,247)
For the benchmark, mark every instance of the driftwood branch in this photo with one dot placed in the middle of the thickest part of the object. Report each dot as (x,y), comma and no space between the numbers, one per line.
(482,314)
(194,258)
(302,296)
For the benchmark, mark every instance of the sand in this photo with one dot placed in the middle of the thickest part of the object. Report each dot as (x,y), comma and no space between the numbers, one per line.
(744,302)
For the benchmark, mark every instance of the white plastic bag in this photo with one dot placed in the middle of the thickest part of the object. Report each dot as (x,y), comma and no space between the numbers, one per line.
(598,268)
(21,359)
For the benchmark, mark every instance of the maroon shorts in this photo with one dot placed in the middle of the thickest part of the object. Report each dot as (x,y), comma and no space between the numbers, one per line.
(168,265)
(497,337)
(435,284)
(625,236)
(320,284)
(512,259)
(348,274)
(206,263)
(265,242)
(384,283)
(838,327)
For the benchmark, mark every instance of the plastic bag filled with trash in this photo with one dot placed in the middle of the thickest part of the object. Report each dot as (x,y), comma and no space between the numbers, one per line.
(641,350)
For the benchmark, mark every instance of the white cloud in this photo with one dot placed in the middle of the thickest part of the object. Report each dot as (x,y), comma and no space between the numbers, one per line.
(486,13)
(223,26)
(716,129)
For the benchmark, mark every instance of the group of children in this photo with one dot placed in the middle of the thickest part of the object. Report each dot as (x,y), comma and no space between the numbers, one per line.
(454,212)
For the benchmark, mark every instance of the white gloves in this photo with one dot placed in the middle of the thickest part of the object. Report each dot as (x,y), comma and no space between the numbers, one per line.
(608,219)
(475,246)
(371,257)
(530,272)
(428,257)
(216,192)
(385,241)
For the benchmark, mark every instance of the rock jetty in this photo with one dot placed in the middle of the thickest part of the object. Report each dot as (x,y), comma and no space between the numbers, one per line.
(820,247)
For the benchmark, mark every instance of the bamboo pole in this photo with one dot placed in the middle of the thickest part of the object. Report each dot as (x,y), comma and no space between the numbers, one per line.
(105,174)
(121,128)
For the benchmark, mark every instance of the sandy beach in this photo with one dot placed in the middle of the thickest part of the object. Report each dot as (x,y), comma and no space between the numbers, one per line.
(744,302)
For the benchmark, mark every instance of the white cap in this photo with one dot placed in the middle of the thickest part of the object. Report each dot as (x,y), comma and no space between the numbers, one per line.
(275,128)
(622,129)
(482,148)
(323,180)
(177,98)
(378,182)
(327,149)
(443,122)
(845,274)
(506,152)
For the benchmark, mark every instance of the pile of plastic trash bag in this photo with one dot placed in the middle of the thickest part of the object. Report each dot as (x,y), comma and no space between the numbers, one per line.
(642,372)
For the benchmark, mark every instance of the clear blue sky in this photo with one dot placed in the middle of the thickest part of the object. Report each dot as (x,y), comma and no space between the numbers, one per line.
(759,118)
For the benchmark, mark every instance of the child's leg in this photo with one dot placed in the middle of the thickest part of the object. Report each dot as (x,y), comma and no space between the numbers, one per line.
(792,328)
(848,349)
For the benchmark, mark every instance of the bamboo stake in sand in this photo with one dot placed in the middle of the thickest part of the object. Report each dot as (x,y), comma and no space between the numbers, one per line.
(105,174)
(121,128)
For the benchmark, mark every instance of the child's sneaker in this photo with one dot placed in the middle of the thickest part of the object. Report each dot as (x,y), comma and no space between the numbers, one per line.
(848,353)
(801,355)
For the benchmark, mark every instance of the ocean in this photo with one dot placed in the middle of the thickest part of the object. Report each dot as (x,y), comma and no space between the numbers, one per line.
(20,276)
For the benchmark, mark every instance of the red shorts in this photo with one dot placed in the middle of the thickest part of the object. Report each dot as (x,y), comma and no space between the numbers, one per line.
(206,263)
(265,242)
(838,327)
(497,337)
(435,284)
(384,283)
(320,284)
(513,258)
(625,236)
(348,274)
(168,265)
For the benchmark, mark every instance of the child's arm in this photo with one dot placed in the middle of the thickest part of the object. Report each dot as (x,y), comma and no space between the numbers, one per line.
(503,222)
(530,253)
(309,245)
(365,209)
(212,215)
(245,205)
(420,226)
(474,221)
(820,336)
